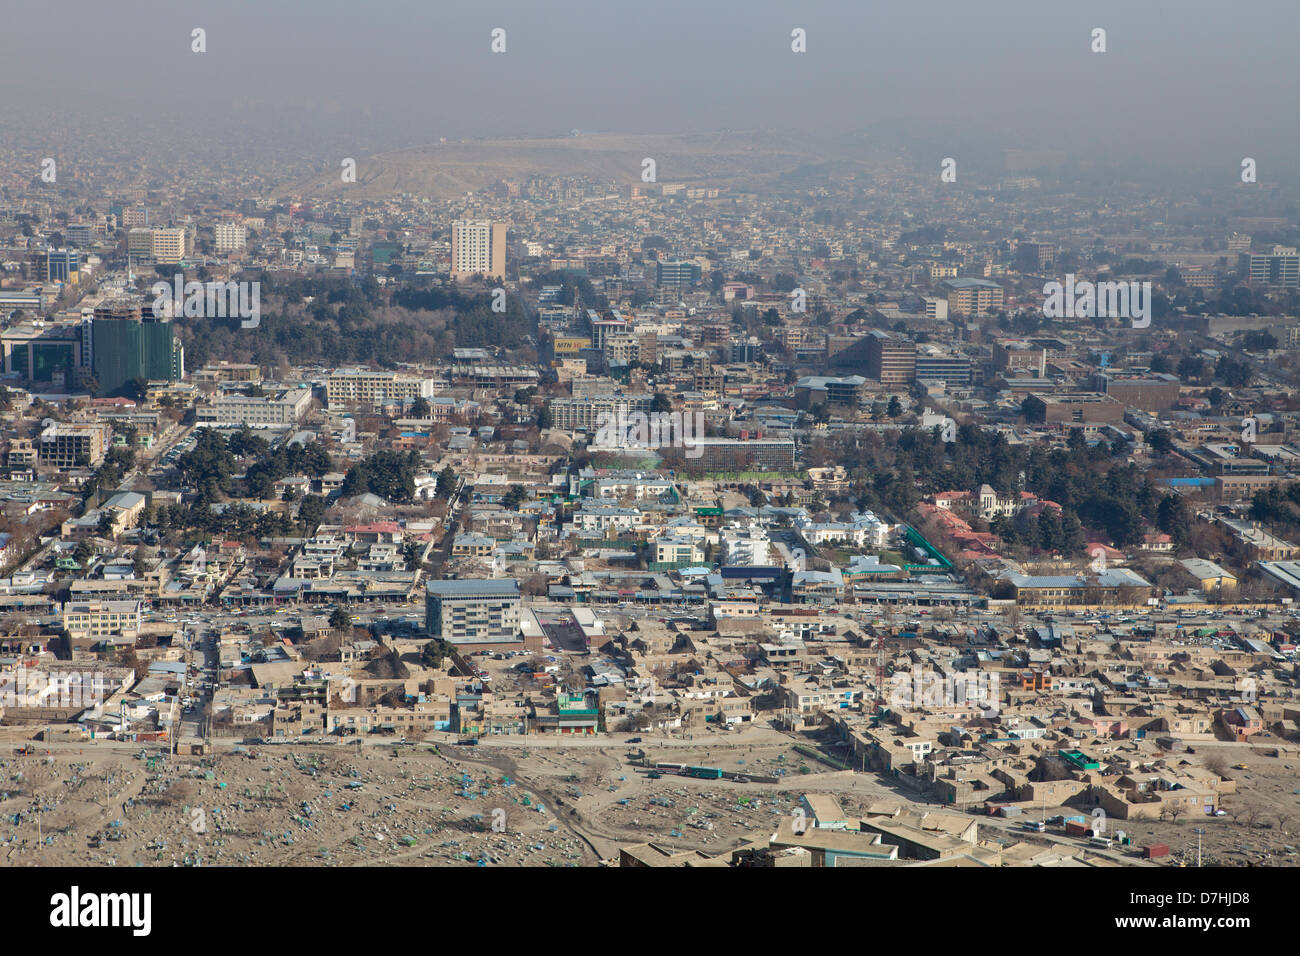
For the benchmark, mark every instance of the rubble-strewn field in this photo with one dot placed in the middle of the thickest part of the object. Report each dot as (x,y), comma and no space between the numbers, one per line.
(406,805)
(505,804)
(274,806)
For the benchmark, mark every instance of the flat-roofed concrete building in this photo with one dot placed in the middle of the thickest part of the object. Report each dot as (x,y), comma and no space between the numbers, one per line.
(973,296)
(474,614)
(891,359)
(1017,355)
(73,444)
(752,454)
(366,387)
(815,390)
(478,247)
(167,246)
(283,407)
(585,414)
(1281,267)
(1077,408)
(99,619)
(934,364)
(1149,391)
(229,236)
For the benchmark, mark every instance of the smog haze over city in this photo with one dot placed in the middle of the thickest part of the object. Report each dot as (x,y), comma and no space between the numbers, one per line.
(599,435)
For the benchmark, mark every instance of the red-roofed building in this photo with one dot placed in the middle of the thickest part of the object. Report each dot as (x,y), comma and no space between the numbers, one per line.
(1157,541)
(376,532)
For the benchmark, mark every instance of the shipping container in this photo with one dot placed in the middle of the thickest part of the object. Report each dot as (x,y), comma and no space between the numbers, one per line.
(1155,850)
(1074,828)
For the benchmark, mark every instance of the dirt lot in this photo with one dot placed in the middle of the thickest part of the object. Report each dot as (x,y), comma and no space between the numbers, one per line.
(287,806)
(1262,826)
(410,805)
(507,804)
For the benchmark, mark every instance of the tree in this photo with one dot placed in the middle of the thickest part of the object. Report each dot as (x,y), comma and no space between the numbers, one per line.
(388,474)
(1191,368)
(1172,518)
(1235,374)
(431,654)
(1051,534)
(340,619)
(514,497)
(420,408)
(137,389)
(1160,441)
(895,407)
(446,482)
(310,512)
(1073,540)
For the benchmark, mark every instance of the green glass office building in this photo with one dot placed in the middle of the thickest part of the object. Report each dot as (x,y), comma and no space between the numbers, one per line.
(128,344)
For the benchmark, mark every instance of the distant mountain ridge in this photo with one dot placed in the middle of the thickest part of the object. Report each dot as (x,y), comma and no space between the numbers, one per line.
(448,170)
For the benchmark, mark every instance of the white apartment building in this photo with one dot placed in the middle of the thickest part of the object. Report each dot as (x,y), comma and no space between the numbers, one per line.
(478,247)
(749,547)
(167,246)
(286,407)
(365,387)
(230,236)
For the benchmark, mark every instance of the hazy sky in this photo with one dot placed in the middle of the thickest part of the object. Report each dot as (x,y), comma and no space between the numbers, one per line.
(1182,81)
